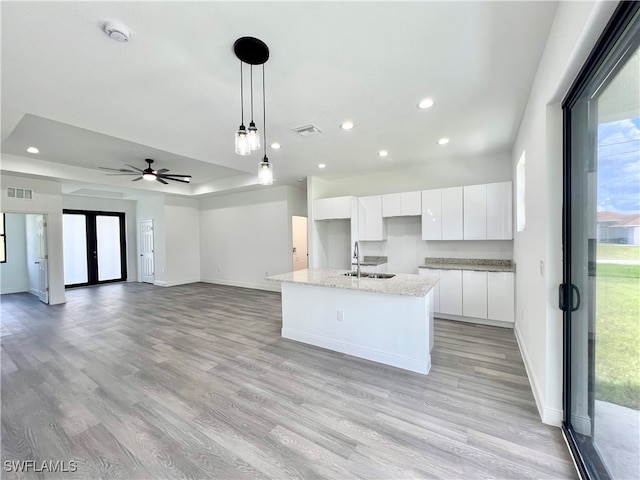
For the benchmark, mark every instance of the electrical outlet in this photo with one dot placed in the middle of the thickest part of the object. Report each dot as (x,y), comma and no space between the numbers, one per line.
(340,315)
(542,268)
(218,269)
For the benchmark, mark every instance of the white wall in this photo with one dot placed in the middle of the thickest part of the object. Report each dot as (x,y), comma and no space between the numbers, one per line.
(244,236)
(47,199)
(14,275)
(153,209)
(182,228)
(128,207)
(538,249)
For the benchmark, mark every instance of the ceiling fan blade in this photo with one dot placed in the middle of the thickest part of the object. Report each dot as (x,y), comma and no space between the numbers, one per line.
(136,179)
(162,170)
(177,179)
(174,175)
(161,180)
(135,168)
(116,169)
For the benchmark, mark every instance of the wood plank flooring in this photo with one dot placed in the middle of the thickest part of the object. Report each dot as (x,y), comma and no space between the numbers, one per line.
(138,382)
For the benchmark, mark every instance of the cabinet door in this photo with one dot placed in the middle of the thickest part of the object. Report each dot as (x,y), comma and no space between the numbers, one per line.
(451,292)
(500,296)
(452,213)
(474,294)
(499,211)
(341,207)
(392,205)
(411,203)
(370,223)
(431,214)
(428,272)
(322,209)
(475,212)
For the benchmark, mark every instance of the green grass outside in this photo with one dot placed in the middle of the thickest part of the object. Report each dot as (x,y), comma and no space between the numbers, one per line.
(617,361)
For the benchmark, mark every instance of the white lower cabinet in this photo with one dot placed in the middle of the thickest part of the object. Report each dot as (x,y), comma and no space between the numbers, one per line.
(451,292)
(500,296)
(474,294)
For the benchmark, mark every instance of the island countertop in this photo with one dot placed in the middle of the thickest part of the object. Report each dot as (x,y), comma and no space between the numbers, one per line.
(402,284)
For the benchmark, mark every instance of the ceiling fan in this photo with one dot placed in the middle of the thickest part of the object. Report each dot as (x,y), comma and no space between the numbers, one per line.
(149,173)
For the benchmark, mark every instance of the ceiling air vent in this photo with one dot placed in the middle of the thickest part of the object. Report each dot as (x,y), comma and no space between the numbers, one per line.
(307,130)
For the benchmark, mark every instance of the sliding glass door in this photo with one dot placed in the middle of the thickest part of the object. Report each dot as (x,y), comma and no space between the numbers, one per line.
(94,247)
(601,293)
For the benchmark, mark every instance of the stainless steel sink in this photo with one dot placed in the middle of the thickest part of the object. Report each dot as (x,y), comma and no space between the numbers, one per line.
(370,275)
(382,275)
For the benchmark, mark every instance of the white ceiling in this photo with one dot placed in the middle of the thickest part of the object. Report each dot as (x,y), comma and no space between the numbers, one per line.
(172,92)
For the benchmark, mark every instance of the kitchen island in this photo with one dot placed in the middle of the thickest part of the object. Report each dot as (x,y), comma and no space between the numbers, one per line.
(387,320)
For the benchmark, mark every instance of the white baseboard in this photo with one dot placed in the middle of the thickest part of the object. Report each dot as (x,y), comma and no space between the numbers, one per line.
(232,283)
(481,321)
(550,416)
(34,291)
(13,289)
(360,352)
(186,281)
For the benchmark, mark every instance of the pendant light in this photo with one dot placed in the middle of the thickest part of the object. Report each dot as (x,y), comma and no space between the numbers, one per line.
(253,135)
(265,169)
(242,140)
(255,52)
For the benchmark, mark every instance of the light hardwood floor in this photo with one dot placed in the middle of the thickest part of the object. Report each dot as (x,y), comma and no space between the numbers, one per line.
(136,381)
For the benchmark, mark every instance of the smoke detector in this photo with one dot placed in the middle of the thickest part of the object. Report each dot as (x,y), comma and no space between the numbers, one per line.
(117,31)
(307,130)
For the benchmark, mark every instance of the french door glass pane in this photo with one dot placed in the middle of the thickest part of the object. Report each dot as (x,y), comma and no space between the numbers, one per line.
(605,263)
(75,249)
(108,251)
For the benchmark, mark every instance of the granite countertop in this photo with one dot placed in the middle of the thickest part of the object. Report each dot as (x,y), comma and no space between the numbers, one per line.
(371,260)
(402,284)
(478,264)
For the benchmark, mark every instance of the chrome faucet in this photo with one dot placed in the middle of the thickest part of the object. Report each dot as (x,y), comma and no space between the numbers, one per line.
(356,255)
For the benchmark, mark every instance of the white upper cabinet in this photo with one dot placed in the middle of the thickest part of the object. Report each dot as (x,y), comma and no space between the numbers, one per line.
(475,212)
(451,213)
(432,214)
(401,204)
(332,208)
(370,223)
(499,211)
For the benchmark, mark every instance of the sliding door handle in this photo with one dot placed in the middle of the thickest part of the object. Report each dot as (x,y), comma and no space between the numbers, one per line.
(566,297)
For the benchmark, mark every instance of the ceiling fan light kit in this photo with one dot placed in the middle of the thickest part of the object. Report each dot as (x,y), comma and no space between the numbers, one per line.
(253,51)
(149,173)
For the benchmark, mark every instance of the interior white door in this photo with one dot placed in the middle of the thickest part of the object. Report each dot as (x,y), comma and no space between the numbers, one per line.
(299,241)
(43,259)
(146,251)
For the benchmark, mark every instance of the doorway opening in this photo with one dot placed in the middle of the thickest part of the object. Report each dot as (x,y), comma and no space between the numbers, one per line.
(300,247)
(94,245)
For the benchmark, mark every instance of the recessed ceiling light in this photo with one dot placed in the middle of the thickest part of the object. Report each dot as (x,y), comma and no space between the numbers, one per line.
(347,126)
(443,141)
(33,150)
(322,165)
(275,145)
(425,103)
(383,153)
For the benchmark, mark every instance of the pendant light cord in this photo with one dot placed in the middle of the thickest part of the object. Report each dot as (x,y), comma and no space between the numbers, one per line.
(264,116)
(241,97)
(251,93)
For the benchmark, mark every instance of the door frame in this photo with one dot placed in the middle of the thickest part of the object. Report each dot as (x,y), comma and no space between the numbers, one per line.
(140,254)
(611,49)
(92,266)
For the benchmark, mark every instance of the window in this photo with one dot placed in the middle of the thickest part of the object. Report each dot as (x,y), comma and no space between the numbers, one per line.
(520,195)
(3,243)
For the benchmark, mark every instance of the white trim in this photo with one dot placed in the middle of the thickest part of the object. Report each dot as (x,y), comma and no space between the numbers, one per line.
(9,290)
(481,321)
(552,416)
(533,381)
(185,281)
(359,351)
(233,283)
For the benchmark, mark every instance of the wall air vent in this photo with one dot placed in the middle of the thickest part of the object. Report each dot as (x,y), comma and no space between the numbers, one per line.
(307,130)
(22,193)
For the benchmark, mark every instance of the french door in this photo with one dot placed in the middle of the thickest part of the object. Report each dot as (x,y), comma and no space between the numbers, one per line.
(94,246)
(600,295)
